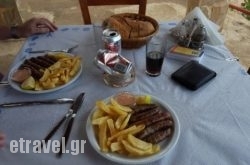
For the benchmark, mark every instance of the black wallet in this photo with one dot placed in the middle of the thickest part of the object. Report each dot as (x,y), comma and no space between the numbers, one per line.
(193,75)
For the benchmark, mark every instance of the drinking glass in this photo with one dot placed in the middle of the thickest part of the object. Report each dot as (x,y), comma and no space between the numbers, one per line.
(154,57)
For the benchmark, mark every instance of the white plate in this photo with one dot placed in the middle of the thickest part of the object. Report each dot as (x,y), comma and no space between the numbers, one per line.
(16,85)
(166,145)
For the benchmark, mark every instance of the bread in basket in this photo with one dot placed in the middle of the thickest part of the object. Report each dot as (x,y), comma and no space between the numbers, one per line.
(135,29)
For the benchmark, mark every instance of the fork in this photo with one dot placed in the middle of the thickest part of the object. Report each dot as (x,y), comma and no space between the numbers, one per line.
(68,50)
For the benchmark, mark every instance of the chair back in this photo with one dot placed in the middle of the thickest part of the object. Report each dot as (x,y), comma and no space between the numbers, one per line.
(84,5)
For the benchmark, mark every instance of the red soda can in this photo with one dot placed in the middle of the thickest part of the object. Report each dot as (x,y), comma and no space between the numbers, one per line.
(112,40)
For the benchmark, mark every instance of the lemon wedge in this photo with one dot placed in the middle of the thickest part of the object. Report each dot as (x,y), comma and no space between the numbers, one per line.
(29,83)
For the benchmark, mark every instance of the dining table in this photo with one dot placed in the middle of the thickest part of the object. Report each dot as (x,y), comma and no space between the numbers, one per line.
(214,119)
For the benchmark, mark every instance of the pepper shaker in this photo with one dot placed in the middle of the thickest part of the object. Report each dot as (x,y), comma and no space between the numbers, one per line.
(198,37)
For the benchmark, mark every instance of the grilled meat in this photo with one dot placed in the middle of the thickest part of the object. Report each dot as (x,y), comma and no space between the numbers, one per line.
(143,107)
(38,64)
(140,115)
(41,62)
(152,119)
(151,129)
(158,136)
(47,59)
(34,65)
(158,123)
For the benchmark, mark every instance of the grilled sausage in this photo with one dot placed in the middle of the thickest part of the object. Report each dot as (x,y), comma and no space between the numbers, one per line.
(48,60)
(144,114)
(158,136)
(143,107)
(154,128)
(158,122)
(40,62)
(152,119)
(34,65)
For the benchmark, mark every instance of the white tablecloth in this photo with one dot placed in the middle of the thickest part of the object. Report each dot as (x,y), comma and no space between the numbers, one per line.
(215,119)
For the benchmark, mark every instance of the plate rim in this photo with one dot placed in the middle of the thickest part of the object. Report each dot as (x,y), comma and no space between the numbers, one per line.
(17,87)
(139,160)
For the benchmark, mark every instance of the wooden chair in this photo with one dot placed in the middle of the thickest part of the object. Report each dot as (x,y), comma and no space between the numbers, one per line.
(84,4)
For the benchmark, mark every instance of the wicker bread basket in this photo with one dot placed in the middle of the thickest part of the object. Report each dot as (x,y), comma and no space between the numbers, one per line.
(138,41)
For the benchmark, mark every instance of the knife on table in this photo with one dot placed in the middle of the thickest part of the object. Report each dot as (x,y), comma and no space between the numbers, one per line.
(72,113)
(38,102)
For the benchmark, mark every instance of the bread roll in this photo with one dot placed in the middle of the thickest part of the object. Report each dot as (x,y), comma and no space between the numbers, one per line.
(130,27)
(119,25)
(146,28)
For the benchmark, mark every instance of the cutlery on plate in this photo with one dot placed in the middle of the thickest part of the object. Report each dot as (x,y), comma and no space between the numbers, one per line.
(26,103)
(68,50)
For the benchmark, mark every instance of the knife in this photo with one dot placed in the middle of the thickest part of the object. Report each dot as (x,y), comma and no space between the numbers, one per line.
(26,103)
(72,113)
(4,83)
(67,50)
(38,51)
(44,51)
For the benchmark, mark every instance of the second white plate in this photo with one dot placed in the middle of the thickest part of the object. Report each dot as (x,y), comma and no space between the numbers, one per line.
(17,87)
(165,145)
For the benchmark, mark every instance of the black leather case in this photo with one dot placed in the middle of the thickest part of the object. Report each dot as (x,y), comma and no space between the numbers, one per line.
(193,75)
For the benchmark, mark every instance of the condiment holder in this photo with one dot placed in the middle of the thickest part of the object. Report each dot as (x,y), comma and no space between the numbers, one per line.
(118,79)
(118,71)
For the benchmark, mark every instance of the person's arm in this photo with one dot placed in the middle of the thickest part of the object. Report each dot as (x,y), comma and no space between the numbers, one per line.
(2,140)
(30,27)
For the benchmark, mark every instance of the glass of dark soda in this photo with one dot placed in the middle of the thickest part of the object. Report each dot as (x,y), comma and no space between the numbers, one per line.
(154,57)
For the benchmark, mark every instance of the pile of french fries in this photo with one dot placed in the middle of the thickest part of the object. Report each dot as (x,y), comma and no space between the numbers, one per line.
(110,122)
(59,73)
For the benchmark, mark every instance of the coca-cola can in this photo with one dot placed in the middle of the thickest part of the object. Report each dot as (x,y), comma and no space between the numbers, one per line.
(112,40)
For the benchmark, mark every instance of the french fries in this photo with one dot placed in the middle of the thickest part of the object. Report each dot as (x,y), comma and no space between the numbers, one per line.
(59,73)
(103,137)
(139,143)
(110,122)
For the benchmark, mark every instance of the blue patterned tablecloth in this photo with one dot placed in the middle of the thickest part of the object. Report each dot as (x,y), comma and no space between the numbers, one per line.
(214,120)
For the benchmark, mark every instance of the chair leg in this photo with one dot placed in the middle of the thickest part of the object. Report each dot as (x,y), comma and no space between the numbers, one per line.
(1,76)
